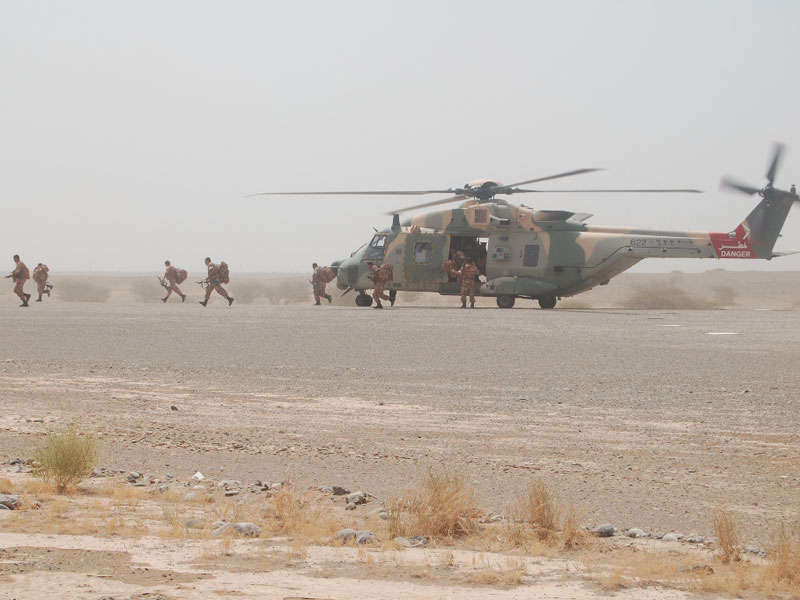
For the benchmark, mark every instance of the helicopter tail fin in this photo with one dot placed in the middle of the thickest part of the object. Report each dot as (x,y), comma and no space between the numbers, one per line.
(754,237)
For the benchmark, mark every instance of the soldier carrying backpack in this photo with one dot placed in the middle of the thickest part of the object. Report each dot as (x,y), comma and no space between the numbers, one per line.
(172,277)
(217,275)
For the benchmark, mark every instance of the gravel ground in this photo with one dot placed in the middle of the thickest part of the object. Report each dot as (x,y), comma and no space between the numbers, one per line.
(642,418)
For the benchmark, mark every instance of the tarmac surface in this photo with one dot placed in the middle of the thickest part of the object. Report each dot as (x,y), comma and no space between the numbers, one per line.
(643,419)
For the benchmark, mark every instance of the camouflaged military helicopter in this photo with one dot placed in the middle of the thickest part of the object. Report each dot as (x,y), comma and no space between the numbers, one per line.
(544,255)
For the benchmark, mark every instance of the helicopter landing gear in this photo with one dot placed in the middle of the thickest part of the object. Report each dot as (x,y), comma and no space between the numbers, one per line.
(547,302)
(363,299)
(505,301)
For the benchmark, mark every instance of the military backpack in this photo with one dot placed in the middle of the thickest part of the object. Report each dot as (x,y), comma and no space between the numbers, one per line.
(224,274)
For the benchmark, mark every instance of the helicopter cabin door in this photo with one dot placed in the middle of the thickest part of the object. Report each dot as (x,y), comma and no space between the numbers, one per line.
(424,256)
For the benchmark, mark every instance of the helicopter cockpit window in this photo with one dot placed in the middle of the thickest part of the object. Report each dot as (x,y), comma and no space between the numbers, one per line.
(423,252)
(375,249)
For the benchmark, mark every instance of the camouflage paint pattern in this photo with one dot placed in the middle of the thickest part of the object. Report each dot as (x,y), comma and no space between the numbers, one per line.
(546,253)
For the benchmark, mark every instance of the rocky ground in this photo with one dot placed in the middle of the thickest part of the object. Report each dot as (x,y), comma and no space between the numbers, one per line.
(643,419)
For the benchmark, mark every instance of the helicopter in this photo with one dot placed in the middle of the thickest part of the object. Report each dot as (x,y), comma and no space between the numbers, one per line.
(543,255)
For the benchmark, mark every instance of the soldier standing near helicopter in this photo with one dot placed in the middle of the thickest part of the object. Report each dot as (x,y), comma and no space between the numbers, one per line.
(319,278)
(450,267)
(40,275)
(20,275)
(172,276)
(467,277)
(217,275)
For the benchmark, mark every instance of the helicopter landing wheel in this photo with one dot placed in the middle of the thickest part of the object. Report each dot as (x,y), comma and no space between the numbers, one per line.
(547,302)
(363,299)
(505,301)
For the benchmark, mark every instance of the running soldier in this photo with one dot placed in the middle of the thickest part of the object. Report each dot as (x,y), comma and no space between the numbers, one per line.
(319,279)
(173,276)
(467,277)
(20,275)
(40,275)
(217,275)
(380,276)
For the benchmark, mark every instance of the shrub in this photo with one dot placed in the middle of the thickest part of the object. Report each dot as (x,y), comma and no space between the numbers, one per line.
(727,534)
(537,507)
(444,506)
(784,558)
(65,457)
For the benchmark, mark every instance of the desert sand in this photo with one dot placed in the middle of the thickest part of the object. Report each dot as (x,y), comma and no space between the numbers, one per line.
(640,418)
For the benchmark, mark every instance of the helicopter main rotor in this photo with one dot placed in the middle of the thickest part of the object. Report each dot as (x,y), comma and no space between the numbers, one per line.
(481,191)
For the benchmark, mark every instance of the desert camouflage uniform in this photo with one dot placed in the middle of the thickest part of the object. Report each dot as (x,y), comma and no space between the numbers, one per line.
(20,275)
(214,282)
(379,279)
(171,275)
(451,269)
(467,277)
(320,279)
(40,275)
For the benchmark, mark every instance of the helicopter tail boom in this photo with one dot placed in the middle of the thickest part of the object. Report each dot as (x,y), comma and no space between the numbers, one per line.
(755,237)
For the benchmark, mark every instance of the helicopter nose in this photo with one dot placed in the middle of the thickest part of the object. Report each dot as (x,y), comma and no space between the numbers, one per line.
(347,272)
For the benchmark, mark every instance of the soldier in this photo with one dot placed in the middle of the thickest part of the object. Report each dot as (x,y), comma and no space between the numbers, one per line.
(171,275)
(467,277)
(380,275)
(216,276)
(319,278)
(40,275)
(450,266)
(20,275)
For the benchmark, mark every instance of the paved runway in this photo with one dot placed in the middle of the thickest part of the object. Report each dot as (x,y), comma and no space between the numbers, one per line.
(643,418)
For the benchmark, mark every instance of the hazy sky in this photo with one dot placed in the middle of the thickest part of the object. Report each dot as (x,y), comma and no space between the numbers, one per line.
(131,132)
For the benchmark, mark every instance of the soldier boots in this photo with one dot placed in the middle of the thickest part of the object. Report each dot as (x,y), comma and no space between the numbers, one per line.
(328,298)
(203,302)
(379,305)
(183,298)
(163,299)
(230,300)
(317,304)
(472,305)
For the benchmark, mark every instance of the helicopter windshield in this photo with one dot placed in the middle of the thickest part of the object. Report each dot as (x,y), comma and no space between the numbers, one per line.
(376,247)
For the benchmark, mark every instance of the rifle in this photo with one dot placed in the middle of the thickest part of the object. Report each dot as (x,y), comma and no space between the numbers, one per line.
(163,282)
(203,284)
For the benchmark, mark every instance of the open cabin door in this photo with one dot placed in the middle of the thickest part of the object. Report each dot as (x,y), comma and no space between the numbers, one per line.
(425,254)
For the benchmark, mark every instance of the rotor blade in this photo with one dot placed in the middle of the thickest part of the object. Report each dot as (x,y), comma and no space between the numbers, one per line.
(377,193)
(726,182)
(775,161)
(567,174)
(658,191)
(426,204)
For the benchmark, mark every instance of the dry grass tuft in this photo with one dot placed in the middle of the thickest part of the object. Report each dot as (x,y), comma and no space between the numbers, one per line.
(537,507)
(6,487)
(783,568)
(539,520)
(727,535)
(444,506)
(65,457)
(294,513)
